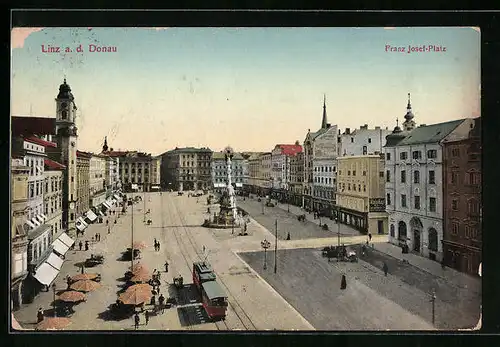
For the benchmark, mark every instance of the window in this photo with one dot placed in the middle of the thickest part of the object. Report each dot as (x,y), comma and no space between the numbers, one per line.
(381,174)
(403,176)
(454,177)
(473,207)
(472,178)
(348,186)
(365,150)
(369,140)
(354,187)
(403,200)
(416,177)
(354,173)
(417,155)
(388,156)
(388,199)
(32,190)
(417,202)
(431,154)
(352,139)
(364,188)
(455,152)
(403,155)
(72,179)
(46,186)
(432,177)
(388,176)
(392,230)
(37,188)
(432,204)
(467,232)
(454,228)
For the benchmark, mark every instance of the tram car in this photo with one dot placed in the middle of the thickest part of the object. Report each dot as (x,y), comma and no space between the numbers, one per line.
(214,300)
(202,272)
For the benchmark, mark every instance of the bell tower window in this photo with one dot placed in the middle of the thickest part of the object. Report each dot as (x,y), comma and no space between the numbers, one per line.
(64,114)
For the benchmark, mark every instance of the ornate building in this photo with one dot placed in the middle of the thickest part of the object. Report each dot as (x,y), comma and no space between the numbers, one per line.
(53,197)
(19,230)
(281,169)
(97,180)
(186,169)
(320,151)
(296,178)
(414,195)
(83,181)
(462,237)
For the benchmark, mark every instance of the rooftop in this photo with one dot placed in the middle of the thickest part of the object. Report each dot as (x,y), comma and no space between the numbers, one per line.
(82,154)
(290,149)
(41,142)
(429,133)
(53,165)
(27,125)
(188,150)
(213,290)
(220,156)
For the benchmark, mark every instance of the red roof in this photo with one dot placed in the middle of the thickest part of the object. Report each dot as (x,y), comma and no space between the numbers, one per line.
(41,142)
(28,126)
(54,165)
(290,149)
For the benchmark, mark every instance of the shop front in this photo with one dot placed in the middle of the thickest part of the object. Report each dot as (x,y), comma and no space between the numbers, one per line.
(357,220)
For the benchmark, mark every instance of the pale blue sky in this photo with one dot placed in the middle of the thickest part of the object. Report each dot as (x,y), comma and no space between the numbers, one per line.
(248,87)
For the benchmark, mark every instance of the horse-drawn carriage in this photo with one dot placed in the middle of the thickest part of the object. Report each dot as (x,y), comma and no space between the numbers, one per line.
(94,260)
(342,253)
(179,282)
(301,218)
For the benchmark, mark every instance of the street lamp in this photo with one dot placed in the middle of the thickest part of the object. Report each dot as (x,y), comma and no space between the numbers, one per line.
(265,244)
(433,301)
(54,301)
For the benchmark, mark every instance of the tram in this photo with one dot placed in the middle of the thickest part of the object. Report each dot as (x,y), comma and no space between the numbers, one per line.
(214,300)
(202,272)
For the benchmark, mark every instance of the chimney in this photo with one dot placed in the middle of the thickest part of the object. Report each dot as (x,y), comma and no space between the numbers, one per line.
(297,143)
(328,125)
(363,127)
(377,128)
(347,131)
(340,133)
(111,149)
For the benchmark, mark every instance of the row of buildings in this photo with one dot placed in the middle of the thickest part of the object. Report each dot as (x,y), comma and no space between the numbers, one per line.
(419,184)
(57,191)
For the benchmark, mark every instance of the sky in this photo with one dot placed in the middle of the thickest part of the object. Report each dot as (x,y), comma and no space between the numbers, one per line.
(250,88)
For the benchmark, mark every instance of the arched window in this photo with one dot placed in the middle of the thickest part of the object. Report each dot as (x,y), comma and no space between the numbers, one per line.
(473,206)
(433,240)
(402,231)
(64,114)
(392,230)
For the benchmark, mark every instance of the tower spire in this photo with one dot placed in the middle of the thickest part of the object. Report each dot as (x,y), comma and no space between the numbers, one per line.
(324,120)
(105,146)
(409,123)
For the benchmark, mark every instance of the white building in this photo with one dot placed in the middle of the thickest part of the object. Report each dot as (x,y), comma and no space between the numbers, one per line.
(414,194)
(111,176)
(34,158)
(97,180)
(219,171)
(53,197)
(362,141)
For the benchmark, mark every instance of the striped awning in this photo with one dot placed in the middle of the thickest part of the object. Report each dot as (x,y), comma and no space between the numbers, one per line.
(44,217)
(40,219)
(36,221)
(31,224)
(105,204)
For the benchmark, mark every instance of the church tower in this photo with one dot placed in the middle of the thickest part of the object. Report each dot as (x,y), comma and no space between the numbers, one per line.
(409,123)
(324,123)
(105,146)
(67,144)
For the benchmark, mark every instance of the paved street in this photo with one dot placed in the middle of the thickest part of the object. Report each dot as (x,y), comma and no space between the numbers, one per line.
(287,221)
(176,224)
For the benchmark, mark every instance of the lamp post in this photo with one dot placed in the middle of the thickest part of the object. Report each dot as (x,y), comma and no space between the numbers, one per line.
(433,301)
(265,244)
(54,297)
(276,247)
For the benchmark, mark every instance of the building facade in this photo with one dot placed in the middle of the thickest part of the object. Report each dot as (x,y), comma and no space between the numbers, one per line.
(281,169)
(53,197)
(462,225)
(253,172)
(83,181)
(186,169)
(97,180)
(264,180)
(112,178)
(19,230)
(219,171)
(414,193)
(296,178)
(362,141)
(361,193)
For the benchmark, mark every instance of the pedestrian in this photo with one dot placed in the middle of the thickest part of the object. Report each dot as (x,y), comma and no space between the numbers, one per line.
(82,268)
(166,266)
(158,276)
(107,221)
(385,268)
(92,239)
(161,300)
(343,282)
(158,246)
(115,219)
(136,320)
(155,241)
(288,236)
(443,265)
(109,230)
(39,315)
(153,301)
(87,245)
(68,281)
(370,237)
(80,245)
(146,316)
(203,249)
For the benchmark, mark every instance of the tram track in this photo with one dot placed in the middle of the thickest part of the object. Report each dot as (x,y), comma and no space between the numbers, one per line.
(236,307)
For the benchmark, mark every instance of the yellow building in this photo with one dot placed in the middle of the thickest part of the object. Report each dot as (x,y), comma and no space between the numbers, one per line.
(361,193)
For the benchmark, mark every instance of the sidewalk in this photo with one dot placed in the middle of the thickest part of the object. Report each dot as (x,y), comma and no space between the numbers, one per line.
(460,279)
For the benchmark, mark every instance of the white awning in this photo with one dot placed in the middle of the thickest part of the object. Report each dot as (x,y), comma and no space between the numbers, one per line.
(68,241)
(60,247)
(36,222)
(101,213)
(109,202)
(55,261)
(30,223)
(40,219)
(80,226)
(239,184)
(43,216)
(46,274)
(117,197)
(91,215)
(105,204)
